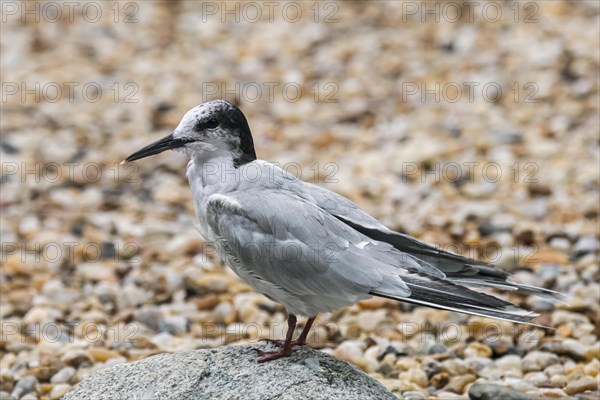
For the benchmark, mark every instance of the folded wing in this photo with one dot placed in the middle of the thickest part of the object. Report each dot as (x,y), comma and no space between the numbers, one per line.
(458,269)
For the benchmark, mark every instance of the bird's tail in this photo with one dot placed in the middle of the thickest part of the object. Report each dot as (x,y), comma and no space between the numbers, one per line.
(445,295)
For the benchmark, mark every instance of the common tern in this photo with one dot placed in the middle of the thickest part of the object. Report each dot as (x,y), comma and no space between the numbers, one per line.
(308,248)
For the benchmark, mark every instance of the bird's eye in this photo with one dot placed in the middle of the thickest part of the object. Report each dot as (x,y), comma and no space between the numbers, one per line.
(212,123)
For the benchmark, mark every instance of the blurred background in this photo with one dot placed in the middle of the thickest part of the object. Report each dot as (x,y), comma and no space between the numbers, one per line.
(471,125)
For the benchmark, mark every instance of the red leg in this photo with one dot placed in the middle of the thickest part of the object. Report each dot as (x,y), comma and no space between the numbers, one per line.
(301,341)
(286,350)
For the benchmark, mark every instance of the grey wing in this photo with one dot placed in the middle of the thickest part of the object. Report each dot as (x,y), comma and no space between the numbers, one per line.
(458,269)
(297,253)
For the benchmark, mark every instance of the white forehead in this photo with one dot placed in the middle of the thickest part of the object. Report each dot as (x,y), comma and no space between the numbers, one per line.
(200,112)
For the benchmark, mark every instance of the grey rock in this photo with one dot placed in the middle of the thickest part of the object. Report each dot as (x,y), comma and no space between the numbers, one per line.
(490,391)
(231,372)
(24,385)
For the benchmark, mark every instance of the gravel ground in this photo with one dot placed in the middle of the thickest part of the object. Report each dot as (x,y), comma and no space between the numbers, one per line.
(478,133)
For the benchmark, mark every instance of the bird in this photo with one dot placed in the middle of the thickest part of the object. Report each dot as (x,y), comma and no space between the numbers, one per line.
(308,248)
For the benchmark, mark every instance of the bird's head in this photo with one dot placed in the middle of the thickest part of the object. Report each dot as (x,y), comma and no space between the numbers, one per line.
(213,129)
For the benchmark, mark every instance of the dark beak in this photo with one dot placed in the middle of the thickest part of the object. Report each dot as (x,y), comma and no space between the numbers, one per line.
(166,143)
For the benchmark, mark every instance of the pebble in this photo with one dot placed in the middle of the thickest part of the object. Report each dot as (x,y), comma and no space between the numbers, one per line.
(369,320)
(224,313)
(24,385)
(63,376)
(559,380)
(101,355)
(490,391)
(58,391)
(553,393)
(573,348)
(350,350)
(538,360)
(536,378)
(413,395)
(152,317)
(440,380)
(454,367)
(586,244)
(415,375)
(477,349)
(510,362)
(176,325)
(457,384)
(77,358)
(581,385)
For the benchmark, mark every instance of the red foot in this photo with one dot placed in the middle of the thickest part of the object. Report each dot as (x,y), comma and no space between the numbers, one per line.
(281,343)
(274,355)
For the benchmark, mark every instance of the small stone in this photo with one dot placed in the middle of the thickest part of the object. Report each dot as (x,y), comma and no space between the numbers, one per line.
(440,380)
(477,349)
(210,282)
(454,367)
(207,302)
(559,380)
(375,303)
(96,271)
(58,391)
(25,385)
(437,348)
(536,378)
(63,376)
(560,243)
(458,383)
(592,368)
(573,349)
(586,244)
(224,313)
(115,361)
(368,320)
(77,358)
(490,391)
(162,340)
(187,242)
(581,385)
(7,379)
(415,375)
(538,360)
(509,362)
(152,317)
(593,352)
(349,350)
(101,355)
(555,369)
(478,363)
(176,324)
(560,317)
(553,393)
(413,395)
(520,385)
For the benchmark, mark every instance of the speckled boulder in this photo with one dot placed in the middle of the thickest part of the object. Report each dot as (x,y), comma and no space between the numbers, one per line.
(231,372)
